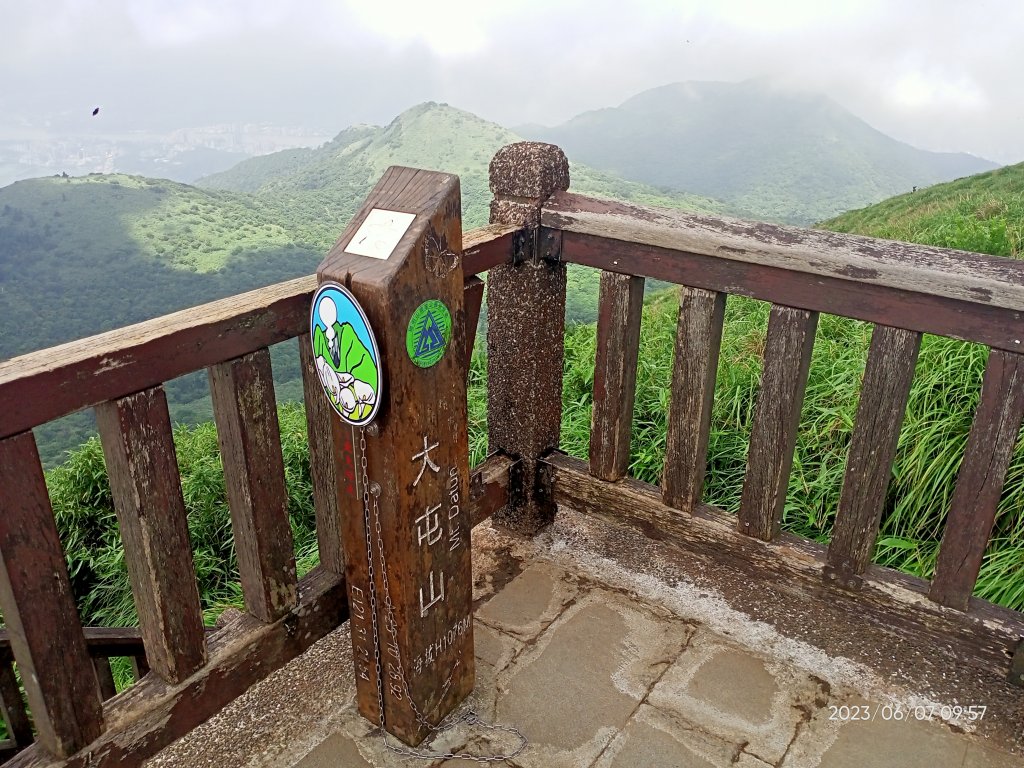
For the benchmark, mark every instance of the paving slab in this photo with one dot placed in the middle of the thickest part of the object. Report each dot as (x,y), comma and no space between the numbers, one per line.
(579,684)
(530,602)
(738,696)
(851,731)
(655,740)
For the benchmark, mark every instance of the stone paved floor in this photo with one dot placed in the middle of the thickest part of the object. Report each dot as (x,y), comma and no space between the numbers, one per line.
(598,668)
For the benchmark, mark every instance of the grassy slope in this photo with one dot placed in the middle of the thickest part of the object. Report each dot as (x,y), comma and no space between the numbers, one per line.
(983,213)
(84,255)
(319,190)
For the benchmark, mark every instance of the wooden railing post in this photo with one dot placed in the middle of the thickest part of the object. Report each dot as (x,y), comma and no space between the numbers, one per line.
(694,368)
(876,429)
(35,596)
(139,450)
(249,436)
(526,328)
(618,343)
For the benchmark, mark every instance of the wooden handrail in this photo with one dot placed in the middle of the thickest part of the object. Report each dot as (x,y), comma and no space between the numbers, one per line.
(939,272)
(929,290)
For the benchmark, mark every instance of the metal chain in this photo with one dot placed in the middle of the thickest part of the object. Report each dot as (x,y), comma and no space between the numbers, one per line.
(453,719)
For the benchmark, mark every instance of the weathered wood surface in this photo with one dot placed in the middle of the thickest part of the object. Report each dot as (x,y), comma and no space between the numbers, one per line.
(41,386)
(244,408)
(940,272)
(526,329)
(140,666)
(787,359)
(1016,674)
(8,749)
(473,297)
(490,486)
(322,465)
(980,481)
(694,369)
(985,637)
(19,727)
(105,677)
(101,641)
(349,489)
(39,609)
(417,455)
(151,714)
(910,305)
(620,302)
(487,247)
(876,430)
(146,486)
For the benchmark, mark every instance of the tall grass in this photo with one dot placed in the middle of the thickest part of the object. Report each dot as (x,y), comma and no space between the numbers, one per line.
(943,398)
(83,508)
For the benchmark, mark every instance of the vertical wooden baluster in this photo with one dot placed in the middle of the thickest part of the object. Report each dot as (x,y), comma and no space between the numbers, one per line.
(787,359)
(473,296)
(883,401)
(698,340)
(618,342)
(980,481)
(105,677)
(38,608)
(19,728)
(140,666)
(146,486)
(321,462)
(250,445)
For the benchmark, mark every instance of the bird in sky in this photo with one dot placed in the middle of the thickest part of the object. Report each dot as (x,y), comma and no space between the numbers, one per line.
(95,111)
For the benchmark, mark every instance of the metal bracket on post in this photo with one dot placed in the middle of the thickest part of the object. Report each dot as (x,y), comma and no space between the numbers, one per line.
(524,245)
(549,245)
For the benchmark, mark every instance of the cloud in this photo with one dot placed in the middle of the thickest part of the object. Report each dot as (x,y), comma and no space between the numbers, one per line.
(938,73)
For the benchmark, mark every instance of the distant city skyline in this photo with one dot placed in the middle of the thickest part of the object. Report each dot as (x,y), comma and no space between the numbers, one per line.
(938,74)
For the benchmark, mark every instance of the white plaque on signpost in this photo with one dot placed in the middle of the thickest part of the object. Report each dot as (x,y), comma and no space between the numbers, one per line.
(379,233)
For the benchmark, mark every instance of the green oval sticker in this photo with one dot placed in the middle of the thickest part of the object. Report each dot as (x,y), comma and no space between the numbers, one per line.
(430,330)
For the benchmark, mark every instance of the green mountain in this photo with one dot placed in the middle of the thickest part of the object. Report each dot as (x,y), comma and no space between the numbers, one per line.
(80,256)
(781,155)
(83,255)
(319,190)
(983,213)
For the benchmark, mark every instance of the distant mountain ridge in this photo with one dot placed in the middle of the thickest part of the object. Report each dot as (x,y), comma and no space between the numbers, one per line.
(779,154)
(324,186)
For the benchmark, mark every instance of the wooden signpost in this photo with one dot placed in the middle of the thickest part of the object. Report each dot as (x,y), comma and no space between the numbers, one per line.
(387,328)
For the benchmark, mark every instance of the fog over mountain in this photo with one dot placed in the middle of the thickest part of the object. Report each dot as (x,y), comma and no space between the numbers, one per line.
(938,74)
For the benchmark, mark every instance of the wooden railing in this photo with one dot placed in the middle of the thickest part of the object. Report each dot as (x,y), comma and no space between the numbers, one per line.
(537,229)
(63,669)
(904,290)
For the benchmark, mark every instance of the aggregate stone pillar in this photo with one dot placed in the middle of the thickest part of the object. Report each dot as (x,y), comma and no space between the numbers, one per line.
(526,329)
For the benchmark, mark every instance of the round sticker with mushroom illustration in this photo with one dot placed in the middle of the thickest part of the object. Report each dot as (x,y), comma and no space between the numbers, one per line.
(346,355)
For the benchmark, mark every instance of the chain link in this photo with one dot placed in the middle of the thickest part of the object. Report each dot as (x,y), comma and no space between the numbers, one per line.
(453,719)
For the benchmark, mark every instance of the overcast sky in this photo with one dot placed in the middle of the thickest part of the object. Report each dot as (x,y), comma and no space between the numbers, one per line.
(940,74)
